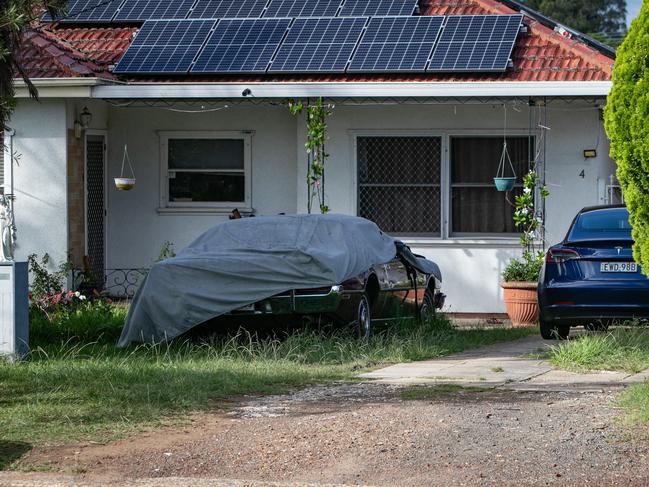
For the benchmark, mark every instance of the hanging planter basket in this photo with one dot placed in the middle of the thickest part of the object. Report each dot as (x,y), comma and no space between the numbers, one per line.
(504,184)
(122,183)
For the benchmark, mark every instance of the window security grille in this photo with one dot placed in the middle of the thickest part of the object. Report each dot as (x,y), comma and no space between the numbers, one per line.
(399,184)
(95,210)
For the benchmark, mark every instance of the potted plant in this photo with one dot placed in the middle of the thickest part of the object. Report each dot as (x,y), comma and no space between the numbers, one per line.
(520,277)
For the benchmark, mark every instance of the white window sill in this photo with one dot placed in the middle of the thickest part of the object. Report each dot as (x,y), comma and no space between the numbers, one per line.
(491,242)
(202,210)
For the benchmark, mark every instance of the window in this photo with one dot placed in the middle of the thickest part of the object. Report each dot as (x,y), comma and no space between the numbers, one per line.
(413,186)
(400,183)
(206,169)
(476,206)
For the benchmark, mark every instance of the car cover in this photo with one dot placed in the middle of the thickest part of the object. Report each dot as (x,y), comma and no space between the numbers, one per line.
(243,261)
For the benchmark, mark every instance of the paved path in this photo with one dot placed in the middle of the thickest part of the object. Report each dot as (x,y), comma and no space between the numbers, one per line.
(507,365)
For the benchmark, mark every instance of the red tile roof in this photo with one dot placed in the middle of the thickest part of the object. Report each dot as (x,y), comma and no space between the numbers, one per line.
(539,55)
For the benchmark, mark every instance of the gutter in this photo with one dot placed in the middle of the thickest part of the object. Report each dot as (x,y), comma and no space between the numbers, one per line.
(60,87)
(457,89)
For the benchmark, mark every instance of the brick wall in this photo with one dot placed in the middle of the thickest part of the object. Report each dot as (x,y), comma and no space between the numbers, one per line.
(76,210)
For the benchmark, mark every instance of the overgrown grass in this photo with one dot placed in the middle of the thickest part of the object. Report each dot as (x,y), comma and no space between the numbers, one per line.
(71,389)
(625,349)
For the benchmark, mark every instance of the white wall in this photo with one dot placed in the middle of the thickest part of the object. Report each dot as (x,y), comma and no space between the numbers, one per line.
(136,229)
(472,267)
(40,179)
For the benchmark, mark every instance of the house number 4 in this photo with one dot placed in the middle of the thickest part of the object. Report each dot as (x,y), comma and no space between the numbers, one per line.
(582,174)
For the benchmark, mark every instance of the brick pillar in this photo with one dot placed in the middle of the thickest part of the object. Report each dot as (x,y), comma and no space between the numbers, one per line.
(76,200)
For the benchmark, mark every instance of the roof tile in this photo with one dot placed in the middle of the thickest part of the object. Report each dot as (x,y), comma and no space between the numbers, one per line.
(540,55)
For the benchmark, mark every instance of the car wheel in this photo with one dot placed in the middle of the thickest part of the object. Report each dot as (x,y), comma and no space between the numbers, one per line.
(596,327)
(427,308)
(554,332)
(363,323)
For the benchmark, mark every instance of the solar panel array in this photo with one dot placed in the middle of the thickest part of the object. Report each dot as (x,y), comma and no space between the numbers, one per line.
(222,9)
(141,10)
(101,11)
(316,45)
(482,43)
(394,44)
(368,8)
(301,8)
(165,47)
(476,43)
(89,11)
(241,46)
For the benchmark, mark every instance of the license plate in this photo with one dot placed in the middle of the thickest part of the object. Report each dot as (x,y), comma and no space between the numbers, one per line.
(619,267)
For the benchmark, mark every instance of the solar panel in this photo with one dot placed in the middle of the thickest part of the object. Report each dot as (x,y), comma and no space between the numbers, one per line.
(476,43)
(303,8)
(392,44)
(221,9)
(316,45)
(141,10)
(88,11)
(165,46)
(367,8)
(241,46)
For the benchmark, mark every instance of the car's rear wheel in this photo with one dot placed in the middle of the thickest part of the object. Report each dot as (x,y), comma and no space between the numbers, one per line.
(363,323)
(554,332)
(427,308)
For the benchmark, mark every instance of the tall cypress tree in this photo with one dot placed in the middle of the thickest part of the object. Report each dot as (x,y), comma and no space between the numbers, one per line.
(15,18)
(627,125)
(603,19)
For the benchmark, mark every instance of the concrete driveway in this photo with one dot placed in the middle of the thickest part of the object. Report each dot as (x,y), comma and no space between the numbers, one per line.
(511,365)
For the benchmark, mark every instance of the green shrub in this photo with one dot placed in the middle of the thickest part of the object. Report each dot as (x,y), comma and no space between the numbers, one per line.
(627,125)
(525,269)
(93,321)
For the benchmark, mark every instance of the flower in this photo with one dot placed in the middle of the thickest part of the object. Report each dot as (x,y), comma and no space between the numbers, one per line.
(77,294)
(527,191)
(82,297)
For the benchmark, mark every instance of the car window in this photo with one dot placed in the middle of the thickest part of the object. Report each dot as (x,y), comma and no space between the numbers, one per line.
(601,224)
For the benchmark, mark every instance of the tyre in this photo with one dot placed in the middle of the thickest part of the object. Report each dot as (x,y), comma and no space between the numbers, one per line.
(363,324)
(427,307)
(554,332)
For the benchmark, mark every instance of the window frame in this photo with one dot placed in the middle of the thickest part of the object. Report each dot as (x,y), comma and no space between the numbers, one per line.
(205,206)
(447,236)
(402,133)
(451,185)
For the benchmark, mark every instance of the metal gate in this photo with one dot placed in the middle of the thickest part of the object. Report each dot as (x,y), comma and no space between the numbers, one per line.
(95,210)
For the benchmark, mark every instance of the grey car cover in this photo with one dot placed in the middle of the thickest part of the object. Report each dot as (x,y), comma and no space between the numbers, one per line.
(240,262)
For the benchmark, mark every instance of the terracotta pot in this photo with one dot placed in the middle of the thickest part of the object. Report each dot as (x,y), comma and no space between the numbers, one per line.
(522,303)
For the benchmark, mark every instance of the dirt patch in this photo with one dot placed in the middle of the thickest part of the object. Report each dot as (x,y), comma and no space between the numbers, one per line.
(368,434)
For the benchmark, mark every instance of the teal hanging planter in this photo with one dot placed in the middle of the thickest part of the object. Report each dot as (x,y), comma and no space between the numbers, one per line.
(504,184)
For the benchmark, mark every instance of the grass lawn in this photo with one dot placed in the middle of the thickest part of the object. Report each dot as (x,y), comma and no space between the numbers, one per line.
(625,349)
(72,390)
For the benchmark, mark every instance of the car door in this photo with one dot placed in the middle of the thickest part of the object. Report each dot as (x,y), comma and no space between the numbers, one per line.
(396,295)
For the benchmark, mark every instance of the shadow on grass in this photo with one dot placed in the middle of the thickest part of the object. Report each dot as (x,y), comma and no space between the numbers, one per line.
(10,451)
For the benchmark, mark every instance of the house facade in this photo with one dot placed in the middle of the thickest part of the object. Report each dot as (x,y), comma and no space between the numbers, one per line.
(415,153)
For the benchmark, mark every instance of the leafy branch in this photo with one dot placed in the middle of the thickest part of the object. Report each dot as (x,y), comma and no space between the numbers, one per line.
(316,124)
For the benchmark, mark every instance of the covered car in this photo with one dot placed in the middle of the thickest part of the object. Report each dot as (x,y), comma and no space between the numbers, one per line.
(336,265)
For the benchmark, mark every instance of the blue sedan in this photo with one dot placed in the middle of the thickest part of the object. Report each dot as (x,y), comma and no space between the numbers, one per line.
(590,278)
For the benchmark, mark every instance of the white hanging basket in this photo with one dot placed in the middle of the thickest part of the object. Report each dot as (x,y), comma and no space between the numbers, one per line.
(122,183)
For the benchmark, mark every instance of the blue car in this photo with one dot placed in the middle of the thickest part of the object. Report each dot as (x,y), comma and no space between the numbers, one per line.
(590,278)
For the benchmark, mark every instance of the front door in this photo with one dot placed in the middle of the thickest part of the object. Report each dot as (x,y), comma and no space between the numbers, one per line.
(95,209)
